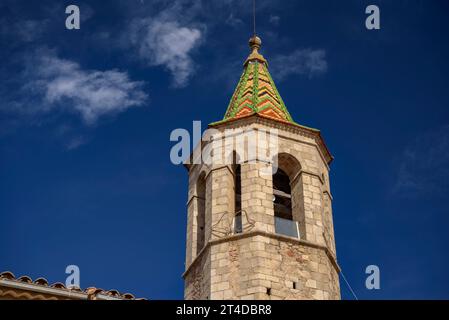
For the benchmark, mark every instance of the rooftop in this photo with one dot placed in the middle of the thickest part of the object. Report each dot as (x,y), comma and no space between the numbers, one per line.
(24,288)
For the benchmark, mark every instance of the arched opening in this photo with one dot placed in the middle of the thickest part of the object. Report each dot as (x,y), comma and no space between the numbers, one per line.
(238,224)
(201,215)
(287,197)
(282,195)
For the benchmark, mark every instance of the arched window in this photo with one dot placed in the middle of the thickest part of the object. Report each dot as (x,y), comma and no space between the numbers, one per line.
(238,226)
(287,197)
(282,195)
(201,215)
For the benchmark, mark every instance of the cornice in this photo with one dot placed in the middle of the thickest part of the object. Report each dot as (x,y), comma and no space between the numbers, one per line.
(251,234)
(308,132)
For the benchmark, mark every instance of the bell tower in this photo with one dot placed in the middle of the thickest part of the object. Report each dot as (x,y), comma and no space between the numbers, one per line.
(260,227)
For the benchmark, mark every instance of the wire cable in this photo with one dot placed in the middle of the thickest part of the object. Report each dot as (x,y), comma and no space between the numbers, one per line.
(349,286)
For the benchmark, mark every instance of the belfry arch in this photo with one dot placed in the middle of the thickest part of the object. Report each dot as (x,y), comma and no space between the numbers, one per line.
(288,197)
(201,212)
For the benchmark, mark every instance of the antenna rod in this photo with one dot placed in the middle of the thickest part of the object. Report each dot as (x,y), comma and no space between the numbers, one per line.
(254,16)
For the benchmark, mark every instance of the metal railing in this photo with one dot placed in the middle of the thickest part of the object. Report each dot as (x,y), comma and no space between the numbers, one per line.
(286,227)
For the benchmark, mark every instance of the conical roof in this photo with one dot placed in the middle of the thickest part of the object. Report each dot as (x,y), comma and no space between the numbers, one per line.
(256,92)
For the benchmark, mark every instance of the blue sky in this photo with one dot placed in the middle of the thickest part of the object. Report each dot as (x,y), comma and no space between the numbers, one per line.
(86,115)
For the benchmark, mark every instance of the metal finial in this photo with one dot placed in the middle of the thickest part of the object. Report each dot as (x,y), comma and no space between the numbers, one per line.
(255,43)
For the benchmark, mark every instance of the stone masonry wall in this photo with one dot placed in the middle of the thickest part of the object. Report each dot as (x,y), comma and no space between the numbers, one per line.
(197,280)
(260,264)
(263,268)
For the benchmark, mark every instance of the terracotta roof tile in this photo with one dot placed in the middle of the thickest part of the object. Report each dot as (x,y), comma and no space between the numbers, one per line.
(41,281)
(7,275)
(58,285)
(128,296)
(92,292)
(25,279)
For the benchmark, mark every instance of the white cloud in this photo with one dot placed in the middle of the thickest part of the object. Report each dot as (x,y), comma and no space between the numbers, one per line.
(76,142)
(302,61)
(424,164)
(31,30)
(234,22)
(23,30)
(90,93)
(164,42)
(275,20)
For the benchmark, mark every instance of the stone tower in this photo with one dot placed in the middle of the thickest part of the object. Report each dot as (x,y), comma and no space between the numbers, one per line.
(258,228)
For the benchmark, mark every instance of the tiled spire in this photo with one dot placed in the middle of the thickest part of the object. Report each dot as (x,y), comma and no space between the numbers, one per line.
(256,92)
